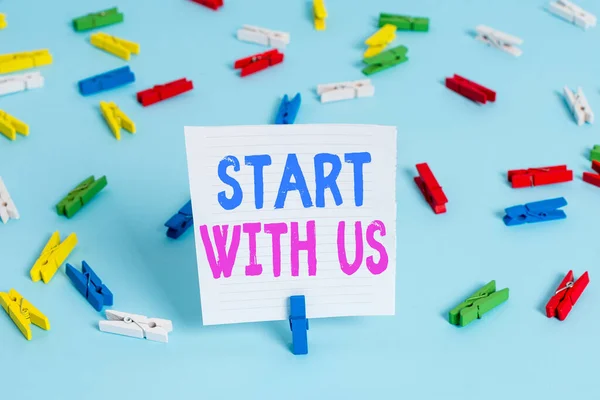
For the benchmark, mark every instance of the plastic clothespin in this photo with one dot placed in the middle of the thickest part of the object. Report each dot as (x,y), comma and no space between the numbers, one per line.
(23,313)
(116,46)
(90,286)
(539,211)
(53,255)
(431,189)
(98,19)
(25,60)
(499,40)
(469,89)
(578,104)
(566,296)
(106,80)
(345,90)
(477,305)
(385,60)
(593,178)
(572,13)
(20,83)
(404,22)
(379,40)
(212,4)
(3,23)
(180,222)
(138,326)
(266,37)
(8,210)
(320,14)
(298,325)
(10,126)
(520,178)
(258,62)
(288,110)
(80,196)
(163,92)
(116,119)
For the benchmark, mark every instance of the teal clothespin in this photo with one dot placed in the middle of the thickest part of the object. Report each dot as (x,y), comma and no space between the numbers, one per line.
(404,22)
(385,60)
(80,196)
(482,301)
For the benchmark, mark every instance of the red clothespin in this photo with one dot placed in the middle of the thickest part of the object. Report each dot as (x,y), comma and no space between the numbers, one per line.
(258,62)
(567,294)
(431,189)
(212,4)
(163,92)
(521,178)
(592,178)
(470,90)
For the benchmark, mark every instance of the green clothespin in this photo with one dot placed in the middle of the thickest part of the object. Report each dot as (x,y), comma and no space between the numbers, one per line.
(595,153)
(385,60)
(482,301)
(98,19)
(404,22)
(80,196)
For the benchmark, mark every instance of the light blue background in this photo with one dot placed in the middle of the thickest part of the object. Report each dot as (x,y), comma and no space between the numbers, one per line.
(513,352)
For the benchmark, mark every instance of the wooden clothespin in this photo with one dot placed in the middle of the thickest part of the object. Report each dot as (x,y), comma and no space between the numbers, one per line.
(80,196)
(378,41)
(25,60)
(98,19)
(320,14)
(431,189)
(53,255)
(477,305)
(23,313)
(520,178)
(566,296)
(90,286)
(116,46)
(10,126)
(385,60)
(116,119)
(8,210)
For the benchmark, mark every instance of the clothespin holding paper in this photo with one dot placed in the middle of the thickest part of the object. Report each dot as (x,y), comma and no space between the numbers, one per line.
(53,255)
(116,119)
(10,126)
(379,40)
(23,313)
(8,210)
(116,46)
(299,325)
(477,305)
(80,196)
(320,14)
(288,110)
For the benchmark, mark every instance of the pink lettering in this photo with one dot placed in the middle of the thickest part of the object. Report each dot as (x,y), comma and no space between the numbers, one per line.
(309,245)
(376,268)
(276,230)
(226,260)
(350,269)
(253,268)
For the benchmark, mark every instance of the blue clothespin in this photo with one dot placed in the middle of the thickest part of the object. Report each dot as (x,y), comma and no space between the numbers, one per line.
(539,211)
(90,286)
(288,110)
(107,80)
(298,325)
(180,222)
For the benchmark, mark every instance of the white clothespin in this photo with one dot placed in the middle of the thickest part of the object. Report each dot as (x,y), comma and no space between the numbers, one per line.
(8,210)
(572,13)
(345,90)
(138,326)
(263,36)
(20,83)
(579,106)
(499,40)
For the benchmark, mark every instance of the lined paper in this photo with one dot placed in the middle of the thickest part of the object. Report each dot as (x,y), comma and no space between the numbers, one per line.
(330,292)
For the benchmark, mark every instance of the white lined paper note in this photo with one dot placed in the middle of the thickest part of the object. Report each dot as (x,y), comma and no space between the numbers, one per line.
(329,292)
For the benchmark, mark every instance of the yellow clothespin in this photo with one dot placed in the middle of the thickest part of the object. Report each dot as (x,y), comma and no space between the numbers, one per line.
(52,257)
(10,126)
(2,21)
(25,60)
(116,119)
(23,313)
(114,45)
(380,39)
(320,14)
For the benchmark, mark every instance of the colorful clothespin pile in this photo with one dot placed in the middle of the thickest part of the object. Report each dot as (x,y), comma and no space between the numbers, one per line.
(90,286)
(116,46)
(98,19)
(387,59)
(23,313)
(431,189)
(477,305)
(180,222)
(520,178)
(163,92)
(469,89)
(499,40)
(105,81)
(8,210)
(137,326)
(53,255)
(24,60)
(538,211)
(10,126)
(566,296)
(80,196)
(299,325)
(288,110)
(116,119)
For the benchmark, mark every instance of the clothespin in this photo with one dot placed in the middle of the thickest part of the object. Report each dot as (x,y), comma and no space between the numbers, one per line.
(116,46)
(23,313)
(106,80)
(499,40)
(116,119)
(98,19)
(180,222)
(266,37)
(469,89)
(25,60)
(20,83)
(10,126)
(163,92)
(431,189)
(593,178)
(298,325)
(53,255)
(80,196)
(345,90)
(520,178)
(212,4)
(595,153)
(379,40)
(385,60)
(3,23)
(579,106)
(8,210)
(566,296)
(404,22)
(288,110)
(138,326)
(258,62)
(90,286)
(320,14)
(572,13)
(538,211)
(477,305)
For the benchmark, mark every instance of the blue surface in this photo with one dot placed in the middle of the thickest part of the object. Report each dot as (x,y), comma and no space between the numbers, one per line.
(513,352)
